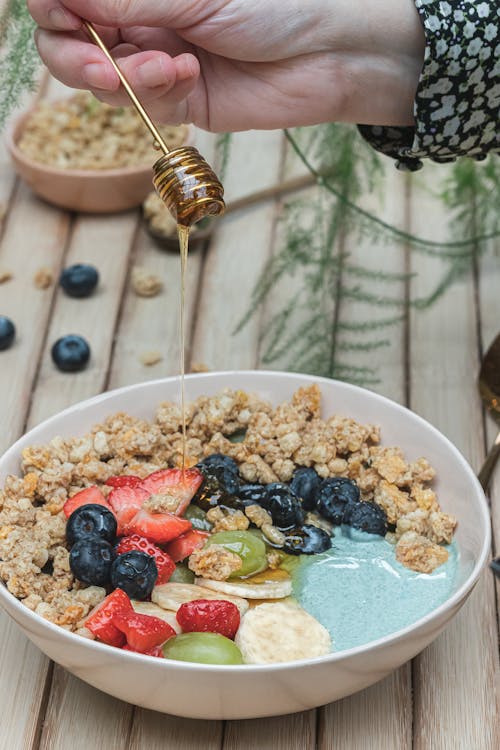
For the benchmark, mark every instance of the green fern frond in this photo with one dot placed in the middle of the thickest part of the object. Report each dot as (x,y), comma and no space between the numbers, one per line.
(19,60)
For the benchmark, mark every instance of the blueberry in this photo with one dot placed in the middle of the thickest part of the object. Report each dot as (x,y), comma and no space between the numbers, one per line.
(253,494)
(367,517)
(333,497)
(213,492)
(79,280)
(305,483)
(222,467)
(7,332)
(91,559)
(308,540)
(135,573)
(70,353)
(495,566)
(284,506)
(91,520)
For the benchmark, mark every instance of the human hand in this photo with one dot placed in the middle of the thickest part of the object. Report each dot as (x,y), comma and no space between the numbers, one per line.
(235,65)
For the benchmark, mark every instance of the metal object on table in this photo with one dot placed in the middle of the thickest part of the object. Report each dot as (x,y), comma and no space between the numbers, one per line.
(489,388)
(182,177)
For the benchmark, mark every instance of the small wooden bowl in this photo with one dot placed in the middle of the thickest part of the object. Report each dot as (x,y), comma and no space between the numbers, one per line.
(83,190)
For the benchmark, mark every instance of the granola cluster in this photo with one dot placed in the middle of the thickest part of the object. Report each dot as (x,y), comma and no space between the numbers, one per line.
(80,132)
(268,444)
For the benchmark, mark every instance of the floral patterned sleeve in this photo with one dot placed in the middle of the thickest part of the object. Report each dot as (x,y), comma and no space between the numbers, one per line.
(457,104)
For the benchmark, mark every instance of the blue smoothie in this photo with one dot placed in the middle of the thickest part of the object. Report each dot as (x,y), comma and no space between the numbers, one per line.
(360,592)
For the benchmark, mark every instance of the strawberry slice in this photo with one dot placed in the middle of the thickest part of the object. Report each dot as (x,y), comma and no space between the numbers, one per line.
(125,502)
(100,620)
(209,616)
(177,483)
(164,563)
(126,480)
(182,547)
(84,497)
(156,651)
(158,527)
(143,632)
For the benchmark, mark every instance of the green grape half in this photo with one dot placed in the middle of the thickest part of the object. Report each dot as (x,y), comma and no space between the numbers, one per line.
(246,545)
(198,518)
(182,574)
(204,648)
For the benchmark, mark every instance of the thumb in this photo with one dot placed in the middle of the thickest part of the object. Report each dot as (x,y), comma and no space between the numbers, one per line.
(50,14)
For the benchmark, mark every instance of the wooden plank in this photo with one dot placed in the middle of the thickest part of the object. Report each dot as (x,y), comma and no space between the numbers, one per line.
(35,235)
(379,718)
(236,257)
(156,731)
(292,732)
(489,308)
(81,717)
(104,242)
(455,677)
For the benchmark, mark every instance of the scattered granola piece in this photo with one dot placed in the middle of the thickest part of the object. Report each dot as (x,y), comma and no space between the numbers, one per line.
(43,278)
(419,553)
(215,562)
(199,367)
(151,358)
(5,275)
(145,283)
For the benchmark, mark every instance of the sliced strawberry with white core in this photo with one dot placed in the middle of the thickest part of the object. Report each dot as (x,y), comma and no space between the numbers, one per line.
(177,484)
(158,527)
(125,502)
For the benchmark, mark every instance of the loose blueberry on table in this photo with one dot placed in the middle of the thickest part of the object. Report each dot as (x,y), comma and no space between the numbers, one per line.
(7,332)
(70,353)
(133,549)
(79,280)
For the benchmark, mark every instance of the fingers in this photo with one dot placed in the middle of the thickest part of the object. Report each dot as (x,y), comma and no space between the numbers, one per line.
(56,16)
(153,75)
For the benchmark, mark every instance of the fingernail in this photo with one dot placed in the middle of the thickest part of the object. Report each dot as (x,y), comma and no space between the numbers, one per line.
(152,73)
(61,19)
(95,74)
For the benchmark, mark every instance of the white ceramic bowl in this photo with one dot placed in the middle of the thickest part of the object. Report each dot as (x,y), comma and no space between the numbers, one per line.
(215,692)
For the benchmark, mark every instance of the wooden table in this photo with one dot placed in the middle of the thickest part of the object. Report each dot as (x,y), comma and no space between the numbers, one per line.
(445,698)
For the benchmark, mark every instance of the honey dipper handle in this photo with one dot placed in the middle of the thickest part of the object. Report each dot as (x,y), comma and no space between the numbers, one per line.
(126,85)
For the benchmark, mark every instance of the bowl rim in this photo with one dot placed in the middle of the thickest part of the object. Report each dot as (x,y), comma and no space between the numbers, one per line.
(13,133)
(448,605)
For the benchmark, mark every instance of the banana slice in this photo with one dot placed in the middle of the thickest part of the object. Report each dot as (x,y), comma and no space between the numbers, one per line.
(266,590)
(172,595)
(281,631)
(148,608)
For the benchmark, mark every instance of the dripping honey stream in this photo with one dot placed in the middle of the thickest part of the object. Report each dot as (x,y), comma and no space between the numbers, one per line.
(190,190)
